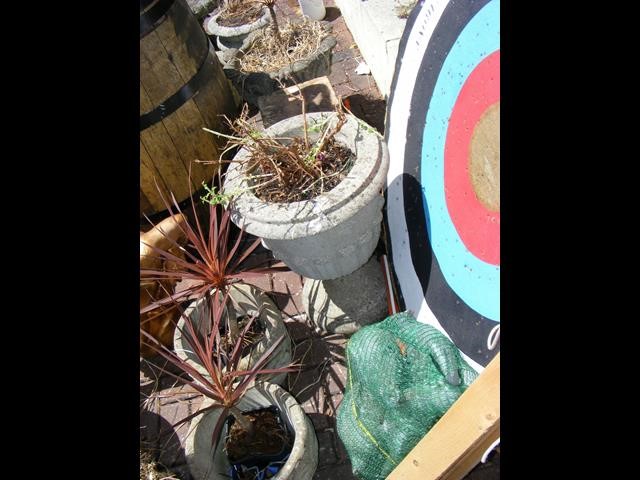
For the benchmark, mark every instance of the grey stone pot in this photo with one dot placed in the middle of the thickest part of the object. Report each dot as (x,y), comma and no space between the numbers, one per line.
(333,234)
(256,84)
(233,37)
(247,299)
(303,460)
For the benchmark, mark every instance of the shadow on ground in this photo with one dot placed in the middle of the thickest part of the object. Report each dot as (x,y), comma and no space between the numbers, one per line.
(332,14)
(367,108)
(319,388)
(158,437)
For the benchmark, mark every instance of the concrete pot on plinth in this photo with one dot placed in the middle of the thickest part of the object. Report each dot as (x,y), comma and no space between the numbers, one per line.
(332,234)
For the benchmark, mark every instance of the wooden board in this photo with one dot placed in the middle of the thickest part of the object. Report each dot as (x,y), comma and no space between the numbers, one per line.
(185,124)
(456,443)
(148,189)
(158,74)
(163,161)
(170,56)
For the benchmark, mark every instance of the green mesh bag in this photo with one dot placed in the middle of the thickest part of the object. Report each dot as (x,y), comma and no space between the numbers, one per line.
(403,376)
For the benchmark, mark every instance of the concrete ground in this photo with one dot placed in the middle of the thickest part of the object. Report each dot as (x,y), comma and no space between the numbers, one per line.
(320,385)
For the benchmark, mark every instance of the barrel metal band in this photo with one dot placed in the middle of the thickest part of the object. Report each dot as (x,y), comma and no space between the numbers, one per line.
(149,19)
(175,101)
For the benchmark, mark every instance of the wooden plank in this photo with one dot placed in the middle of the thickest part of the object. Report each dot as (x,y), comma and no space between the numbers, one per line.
(165,160)
(147,184)
(185,128)
(185,47)
(456,443)
(158,75)
(217,97)
(145,204)
(171,176)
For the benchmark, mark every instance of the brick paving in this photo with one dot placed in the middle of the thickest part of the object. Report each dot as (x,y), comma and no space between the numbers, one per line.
(319,388)
(320,385)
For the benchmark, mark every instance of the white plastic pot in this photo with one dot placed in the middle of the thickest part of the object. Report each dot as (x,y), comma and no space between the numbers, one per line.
(205,464)
(247,299)
(314,9)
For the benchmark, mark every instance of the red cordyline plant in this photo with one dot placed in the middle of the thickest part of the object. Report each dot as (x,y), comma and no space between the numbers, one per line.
(224,383)
(211,261)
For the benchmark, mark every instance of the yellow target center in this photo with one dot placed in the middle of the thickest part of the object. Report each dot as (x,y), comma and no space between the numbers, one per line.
(484,158)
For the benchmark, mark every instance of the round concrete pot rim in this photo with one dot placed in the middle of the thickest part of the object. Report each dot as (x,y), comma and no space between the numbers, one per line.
(269,317)
(211,26)
(275,220)
(304,446)
(326,45)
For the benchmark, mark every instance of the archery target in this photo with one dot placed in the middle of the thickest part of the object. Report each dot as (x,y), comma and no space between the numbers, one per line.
(443,186)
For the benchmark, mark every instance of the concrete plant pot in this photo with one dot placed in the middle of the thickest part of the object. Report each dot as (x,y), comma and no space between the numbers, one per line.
(247,299)
(303,460)
(233,37)
(257,84)
(333,234)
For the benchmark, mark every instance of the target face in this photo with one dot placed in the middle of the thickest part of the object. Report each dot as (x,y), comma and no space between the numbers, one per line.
(443,195)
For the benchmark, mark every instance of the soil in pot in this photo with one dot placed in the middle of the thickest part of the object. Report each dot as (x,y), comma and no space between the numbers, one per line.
(265,449)
(253,336)
(333,165)
(238,13)
(268,53)
(286,170)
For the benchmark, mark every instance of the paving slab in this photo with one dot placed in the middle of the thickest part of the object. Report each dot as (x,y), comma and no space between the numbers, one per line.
(377,30)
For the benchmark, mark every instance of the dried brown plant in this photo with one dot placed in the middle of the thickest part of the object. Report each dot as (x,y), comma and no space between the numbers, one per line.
(289,169)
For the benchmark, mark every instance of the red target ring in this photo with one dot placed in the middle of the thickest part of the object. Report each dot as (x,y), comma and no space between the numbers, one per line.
(477,226)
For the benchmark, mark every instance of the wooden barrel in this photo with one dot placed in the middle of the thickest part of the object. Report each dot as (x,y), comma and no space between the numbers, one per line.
(182,89)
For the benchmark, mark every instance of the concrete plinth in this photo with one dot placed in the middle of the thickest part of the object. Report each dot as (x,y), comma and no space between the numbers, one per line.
(346,304)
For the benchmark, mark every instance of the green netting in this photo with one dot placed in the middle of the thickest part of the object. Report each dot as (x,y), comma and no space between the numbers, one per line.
(403,376)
